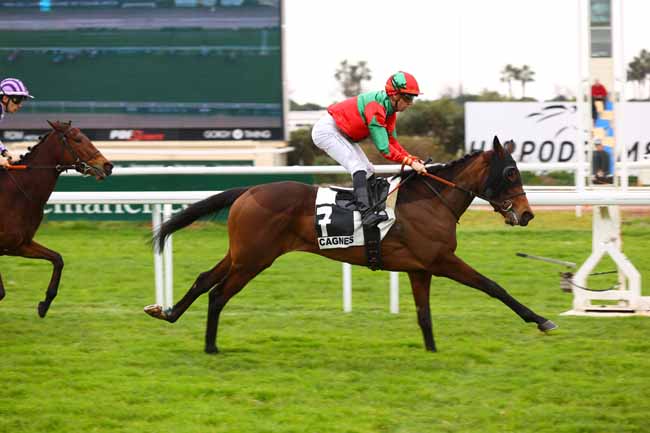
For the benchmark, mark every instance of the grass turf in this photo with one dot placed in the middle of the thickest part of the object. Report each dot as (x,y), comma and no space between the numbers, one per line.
(291,361)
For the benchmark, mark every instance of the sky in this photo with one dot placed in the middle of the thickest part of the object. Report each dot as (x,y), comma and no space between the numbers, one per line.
(444,43)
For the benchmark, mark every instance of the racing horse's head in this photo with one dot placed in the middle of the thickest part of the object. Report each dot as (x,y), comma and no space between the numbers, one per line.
(503,186)
(80,152)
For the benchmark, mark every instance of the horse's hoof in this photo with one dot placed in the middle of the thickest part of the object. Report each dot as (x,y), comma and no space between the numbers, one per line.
(42,309)
(211,350)
(547,326)
(156,311)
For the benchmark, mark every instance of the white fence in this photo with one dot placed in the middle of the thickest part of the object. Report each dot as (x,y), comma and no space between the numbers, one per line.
(329,169)
(162,201)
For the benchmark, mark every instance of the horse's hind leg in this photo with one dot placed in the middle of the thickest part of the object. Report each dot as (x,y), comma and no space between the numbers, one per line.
(2,289)
(236,279)
(34,250)
(453,267)
(204,282)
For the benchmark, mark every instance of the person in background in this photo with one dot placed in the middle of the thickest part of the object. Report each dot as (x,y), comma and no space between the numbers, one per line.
(598,93)
(12,95)
(600,163)
(371,114)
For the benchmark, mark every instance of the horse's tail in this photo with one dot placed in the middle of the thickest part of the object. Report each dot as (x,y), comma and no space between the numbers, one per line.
(195,211)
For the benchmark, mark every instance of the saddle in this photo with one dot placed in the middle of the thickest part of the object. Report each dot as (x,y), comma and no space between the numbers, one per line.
(338,221)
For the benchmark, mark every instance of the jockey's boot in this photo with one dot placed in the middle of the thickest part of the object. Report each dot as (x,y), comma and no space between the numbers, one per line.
(369,217)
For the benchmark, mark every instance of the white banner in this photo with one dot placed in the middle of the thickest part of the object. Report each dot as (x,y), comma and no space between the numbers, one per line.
(548,131)
(633,129)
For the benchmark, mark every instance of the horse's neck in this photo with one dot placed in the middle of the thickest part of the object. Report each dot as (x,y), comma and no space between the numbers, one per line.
(454,201)
(470,177)
(38,182)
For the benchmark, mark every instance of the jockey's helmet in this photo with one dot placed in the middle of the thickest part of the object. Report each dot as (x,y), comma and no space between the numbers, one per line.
(14,87)
(402,82)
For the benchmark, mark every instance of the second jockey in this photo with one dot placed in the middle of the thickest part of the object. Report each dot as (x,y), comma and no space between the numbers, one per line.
(12,95)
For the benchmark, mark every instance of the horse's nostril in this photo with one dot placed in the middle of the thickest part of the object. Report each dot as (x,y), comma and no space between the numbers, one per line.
(526,217)
(108,168)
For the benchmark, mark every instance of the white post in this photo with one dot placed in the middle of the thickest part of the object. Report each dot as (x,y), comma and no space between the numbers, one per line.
(582,106)
(394,292)
(620,69)
(156,221)
(168,263)
(347,287)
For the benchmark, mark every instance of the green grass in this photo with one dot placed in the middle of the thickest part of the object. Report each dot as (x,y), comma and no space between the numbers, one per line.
(291,361)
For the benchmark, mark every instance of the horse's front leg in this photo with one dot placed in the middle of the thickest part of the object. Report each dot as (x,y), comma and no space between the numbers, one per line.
(420,285)
(453,267)
(34,250)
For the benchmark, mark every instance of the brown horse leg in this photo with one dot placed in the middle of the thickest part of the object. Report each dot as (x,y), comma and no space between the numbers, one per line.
(456,269)
(420,284)
(204,282)
(2,289)
(33,250)
(236,279)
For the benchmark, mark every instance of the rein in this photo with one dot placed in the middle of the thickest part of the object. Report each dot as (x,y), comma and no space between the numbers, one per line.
(504,206)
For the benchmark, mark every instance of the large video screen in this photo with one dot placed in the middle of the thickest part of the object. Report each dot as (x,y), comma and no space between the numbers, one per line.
(146,69)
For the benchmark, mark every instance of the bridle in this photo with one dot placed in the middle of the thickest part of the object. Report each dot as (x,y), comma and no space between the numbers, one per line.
(504,206)
(79,164)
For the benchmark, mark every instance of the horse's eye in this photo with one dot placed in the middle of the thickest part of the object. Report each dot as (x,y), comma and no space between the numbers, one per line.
(510,173)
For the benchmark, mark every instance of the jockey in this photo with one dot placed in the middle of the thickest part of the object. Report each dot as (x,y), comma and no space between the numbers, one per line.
(12,93)
(371,114)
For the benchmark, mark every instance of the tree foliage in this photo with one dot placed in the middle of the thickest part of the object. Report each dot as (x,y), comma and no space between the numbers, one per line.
(304,150)
(443,120)
(430,128)
(308,106)
(351,77)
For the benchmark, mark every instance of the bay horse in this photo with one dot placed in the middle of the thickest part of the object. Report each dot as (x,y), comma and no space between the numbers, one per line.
(269,220)
(26,187)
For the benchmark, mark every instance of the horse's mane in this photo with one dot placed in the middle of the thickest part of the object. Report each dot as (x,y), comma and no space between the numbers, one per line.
(26,157)
(452,165)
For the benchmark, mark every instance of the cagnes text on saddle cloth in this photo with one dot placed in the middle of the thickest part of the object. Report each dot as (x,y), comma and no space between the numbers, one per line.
(339,227)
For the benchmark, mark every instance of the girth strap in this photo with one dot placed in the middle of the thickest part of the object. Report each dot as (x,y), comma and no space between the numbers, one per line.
(372,239)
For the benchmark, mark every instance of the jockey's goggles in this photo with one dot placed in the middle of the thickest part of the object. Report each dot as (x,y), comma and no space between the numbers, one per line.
(409,97)
(17,99)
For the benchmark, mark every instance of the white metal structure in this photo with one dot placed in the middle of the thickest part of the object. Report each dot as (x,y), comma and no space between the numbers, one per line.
(606,239)
(162,202)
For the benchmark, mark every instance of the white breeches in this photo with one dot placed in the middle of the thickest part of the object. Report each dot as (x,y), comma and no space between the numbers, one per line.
(327,137)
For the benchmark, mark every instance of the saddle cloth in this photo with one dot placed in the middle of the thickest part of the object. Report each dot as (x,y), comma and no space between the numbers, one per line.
(338,225)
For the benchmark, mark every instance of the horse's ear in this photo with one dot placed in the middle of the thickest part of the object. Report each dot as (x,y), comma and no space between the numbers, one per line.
(52,124)
(509,146)
(496,146)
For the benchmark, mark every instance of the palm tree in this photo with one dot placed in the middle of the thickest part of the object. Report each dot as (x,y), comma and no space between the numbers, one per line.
(508,74)
(636,73)
(525,76)
(351,77)
(639,72)
(645,65)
